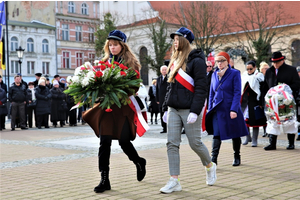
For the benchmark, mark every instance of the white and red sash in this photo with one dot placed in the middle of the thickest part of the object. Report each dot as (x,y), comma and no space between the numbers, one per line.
(186,80)
(139,120)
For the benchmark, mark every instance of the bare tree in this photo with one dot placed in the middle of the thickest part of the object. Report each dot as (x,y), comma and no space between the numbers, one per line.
(259,24)
(208,20)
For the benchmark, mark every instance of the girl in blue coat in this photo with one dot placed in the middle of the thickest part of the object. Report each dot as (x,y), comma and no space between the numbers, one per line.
(224,118)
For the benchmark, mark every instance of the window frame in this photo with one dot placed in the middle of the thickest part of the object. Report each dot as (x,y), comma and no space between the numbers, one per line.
(78,33)
(79,60)
(30,67)
(71,7)
(65,31)
(14,43)
(66,60)
(30,45)
(46,67)
(84,9)
(91,34)
(14,67)
(45,46)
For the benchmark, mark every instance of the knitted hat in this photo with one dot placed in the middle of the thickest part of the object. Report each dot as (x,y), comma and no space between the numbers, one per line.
(42,79)
(55,82)
(225,55)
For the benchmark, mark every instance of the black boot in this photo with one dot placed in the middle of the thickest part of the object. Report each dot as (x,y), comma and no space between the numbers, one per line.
(298,138)
(155,121)
(140,169)
(273,141)
(104,183)
(236,145)
(216,144)
(291,138)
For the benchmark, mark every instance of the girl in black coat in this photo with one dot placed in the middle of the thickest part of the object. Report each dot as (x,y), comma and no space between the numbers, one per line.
(153,108)
(43,103)
(58,104)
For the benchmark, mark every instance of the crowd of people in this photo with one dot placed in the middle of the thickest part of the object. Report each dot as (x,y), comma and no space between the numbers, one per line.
(32,104)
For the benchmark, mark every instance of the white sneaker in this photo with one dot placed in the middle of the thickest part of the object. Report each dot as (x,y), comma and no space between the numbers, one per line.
(211,175)
(173,185)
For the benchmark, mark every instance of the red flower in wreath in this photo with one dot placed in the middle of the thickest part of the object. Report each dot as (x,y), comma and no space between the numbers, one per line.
(116,63)
(109,65)
(83,68)
(137,74)
(282,106)
(123,73)
(99,74)
(123,67)
(101,62)
(108,110)
(291,106)
(102,67)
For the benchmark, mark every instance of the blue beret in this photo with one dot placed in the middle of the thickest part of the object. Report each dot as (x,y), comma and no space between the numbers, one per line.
(185,33)
(117,35)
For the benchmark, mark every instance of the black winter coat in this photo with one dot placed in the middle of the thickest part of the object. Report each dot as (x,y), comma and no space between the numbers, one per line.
(286,74)
(4,87)
(161,90)
(57,111)
(179,97)
(3,99)
(43,100)
(154,106)
(17,93)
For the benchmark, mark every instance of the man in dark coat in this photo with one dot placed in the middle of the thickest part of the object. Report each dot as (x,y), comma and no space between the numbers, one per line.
(280,72)
(17,97)
(37,78)
(161,90)
(4,87)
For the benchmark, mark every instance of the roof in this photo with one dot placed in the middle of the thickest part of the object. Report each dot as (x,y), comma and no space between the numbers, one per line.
(289,7)
(34,24)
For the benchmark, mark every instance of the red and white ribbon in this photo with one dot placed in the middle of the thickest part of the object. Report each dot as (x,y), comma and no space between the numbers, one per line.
(139,120)
(186,80)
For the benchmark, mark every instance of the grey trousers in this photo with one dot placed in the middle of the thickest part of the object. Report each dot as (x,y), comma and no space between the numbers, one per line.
(177,118)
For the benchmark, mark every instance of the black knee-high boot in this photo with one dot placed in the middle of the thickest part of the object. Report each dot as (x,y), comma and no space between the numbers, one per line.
(104,183)
(291,138)
(236,145)
(273,141)
(216,144)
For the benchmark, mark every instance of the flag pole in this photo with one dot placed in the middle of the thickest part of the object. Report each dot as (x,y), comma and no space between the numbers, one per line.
(7,60)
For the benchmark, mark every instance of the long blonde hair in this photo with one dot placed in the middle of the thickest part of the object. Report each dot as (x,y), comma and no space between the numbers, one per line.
(180,55)
(126,54)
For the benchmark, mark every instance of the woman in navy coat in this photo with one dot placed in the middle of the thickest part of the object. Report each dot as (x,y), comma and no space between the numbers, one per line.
(224,118)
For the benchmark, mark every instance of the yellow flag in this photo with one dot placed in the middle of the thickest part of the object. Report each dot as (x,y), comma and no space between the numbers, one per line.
(2,56)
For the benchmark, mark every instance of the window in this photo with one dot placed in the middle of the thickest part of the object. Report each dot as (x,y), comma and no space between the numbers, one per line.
(65,32)
(84,9)
(13,43)
(91,34)
(30,67)
(46,67)
(79,59)
(30,45)
(91,57)
(78,33)
(66,60)
(71,7)
(14,64)
(45,46)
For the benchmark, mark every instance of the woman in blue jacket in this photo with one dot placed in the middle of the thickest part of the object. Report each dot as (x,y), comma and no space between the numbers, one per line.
(224,118)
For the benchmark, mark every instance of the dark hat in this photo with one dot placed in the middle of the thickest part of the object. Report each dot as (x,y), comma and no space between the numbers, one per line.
(277,56)
(19,74)
(185,33)
(117,35)
(56,76)
(38,74)
(31,83)
(47,79)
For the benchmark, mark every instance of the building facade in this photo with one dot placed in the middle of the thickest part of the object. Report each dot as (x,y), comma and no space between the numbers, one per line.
(76,22)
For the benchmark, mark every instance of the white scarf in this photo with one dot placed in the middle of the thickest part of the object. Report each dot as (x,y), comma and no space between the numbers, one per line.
(32,94)
(254,80)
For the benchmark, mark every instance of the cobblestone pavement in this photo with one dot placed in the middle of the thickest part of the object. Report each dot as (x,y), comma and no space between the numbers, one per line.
(61,163)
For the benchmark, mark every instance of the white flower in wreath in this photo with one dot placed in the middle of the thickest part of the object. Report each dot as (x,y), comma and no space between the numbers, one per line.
(287,101)
(96,62)
(85,81)
(290,114)
(69,79)
(77,71)
(280,97)
(268,113)
(76,79)
(88,65)
(90,74)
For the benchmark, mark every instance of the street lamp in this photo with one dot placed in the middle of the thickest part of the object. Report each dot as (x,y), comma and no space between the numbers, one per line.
(20,52)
